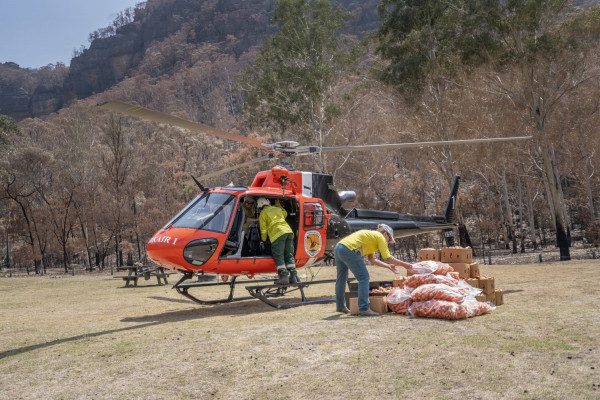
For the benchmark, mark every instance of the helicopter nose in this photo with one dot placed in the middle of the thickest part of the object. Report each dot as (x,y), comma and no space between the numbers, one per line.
(180,249)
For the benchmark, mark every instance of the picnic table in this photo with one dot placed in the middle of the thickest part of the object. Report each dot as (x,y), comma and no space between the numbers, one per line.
(135,272)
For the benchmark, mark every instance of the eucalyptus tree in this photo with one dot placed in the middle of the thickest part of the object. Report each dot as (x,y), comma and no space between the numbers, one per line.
(542,55)
(535,53)
(7,126)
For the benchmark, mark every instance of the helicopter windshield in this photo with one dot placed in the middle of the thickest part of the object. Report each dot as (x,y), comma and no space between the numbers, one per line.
(210,211)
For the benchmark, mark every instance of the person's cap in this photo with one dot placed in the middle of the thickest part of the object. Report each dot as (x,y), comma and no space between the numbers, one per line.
(386,228)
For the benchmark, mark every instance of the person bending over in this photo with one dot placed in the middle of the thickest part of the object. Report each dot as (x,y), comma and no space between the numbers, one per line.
(273,225)
(349,253)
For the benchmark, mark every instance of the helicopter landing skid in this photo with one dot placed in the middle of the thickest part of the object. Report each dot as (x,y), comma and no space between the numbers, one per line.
(182,287)
(261,292)
(264,292)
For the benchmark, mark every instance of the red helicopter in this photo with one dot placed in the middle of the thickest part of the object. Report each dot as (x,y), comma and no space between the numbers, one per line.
(209,236)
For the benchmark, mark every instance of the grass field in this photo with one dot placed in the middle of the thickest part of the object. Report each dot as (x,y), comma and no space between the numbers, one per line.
(87,337)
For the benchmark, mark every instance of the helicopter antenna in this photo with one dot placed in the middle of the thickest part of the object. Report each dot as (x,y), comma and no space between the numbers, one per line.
(198,183)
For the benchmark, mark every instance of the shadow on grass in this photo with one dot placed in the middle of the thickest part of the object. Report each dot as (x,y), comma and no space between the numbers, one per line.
(25,349)
(161,298)
(513,291)
(244,307)
(238,308)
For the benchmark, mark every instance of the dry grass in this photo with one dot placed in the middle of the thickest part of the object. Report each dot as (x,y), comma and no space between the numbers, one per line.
(85,337)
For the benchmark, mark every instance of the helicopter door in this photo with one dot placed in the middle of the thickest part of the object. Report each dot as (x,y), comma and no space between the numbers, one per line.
(313,229)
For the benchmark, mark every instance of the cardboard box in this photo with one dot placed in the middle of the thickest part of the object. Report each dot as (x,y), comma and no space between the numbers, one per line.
(399,282)
(457,255)
(480,297)
(474,270)
(429,254)
(473,282)
(462,269)
(491,298)
(377,304)
(499,297)
(486,283)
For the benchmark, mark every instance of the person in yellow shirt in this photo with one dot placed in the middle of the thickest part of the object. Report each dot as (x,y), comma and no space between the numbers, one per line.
(273,225)
(349,253)
(249,213)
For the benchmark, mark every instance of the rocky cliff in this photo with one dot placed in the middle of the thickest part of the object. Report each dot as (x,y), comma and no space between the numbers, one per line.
(110,59)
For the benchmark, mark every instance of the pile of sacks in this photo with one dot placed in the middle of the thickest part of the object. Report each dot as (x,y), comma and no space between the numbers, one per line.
(435,290)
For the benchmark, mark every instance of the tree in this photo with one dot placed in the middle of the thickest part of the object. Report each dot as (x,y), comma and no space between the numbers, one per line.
(292,82)
(424,43)
(542,55)
(116,162)
(7,125)
(536,54)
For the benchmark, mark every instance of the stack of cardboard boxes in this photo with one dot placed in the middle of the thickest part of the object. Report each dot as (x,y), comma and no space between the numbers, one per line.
(461,260)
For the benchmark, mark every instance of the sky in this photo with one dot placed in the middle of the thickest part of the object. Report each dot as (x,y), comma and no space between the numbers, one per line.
(35,33)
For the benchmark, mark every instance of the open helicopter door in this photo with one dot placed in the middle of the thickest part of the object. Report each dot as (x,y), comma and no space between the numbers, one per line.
(312,232)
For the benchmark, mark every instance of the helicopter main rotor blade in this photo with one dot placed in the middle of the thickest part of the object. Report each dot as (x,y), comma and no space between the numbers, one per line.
(163,118)
(222,171)
(421,144)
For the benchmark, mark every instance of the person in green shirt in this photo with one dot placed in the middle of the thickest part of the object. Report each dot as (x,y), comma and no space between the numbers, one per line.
(273,225)
(349,253)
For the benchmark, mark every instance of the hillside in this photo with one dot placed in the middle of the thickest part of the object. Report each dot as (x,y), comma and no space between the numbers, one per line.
(233,26)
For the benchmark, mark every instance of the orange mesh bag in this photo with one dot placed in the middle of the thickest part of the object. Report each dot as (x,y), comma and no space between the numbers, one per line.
(438,309)
(437,291)
(475,308)
(414,281)
(398,300)
(381,289)
(431,267)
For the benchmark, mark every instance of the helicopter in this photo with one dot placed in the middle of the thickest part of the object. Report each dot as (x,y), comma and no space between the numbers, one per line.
(210,236)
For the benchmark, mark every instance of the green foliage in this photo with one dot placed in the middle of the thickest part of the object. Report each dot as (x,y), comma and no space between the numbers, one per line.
(432,39)
(289,84)
(428,38)
(7,125)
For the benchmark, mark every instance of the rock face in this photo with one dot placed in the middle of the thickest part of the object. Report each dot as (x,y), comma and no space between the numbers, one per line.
(45,100)
(18,103)
(14,101)
(110,59)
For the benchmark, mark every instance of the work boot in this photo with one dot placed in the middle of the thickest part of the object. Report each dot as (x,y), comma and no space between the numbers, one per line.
(344,310)
(368,313)
(284,278)
(294,277)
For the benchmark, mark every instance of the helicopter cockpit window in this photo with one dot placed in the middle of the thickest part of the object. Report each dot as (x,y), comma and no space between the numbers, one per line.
(211,212)
(313,216)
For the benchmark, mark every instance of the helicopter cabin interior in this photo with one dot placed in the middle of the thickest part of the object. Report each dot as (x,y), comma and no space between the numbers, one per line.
(244,239)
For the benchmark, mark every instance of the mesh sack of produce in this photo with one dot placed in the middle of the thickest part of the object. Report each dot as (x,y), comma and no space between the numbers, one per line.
(431,267)
(398,300)
(437,291)
(467,290)
(381,289)
(475,308)
(417,280)
(438,309)
(453,275)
